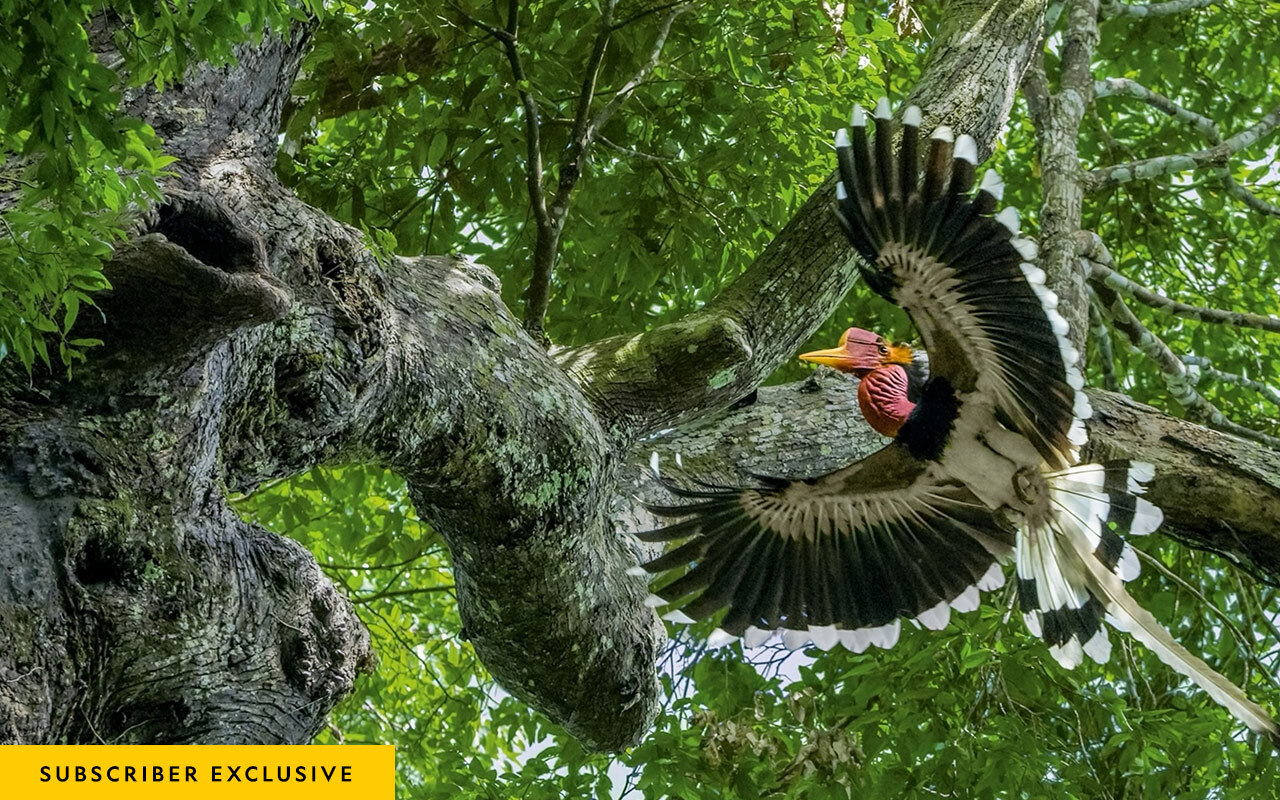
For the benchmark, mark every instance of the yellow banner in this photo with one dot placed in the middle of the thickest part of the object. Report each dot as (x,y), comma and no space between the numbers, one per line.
(279,772)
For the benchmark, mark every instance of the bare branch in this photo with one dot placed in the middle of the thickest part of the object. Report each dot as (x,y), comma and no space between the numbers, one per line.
(582,114)
(1207,370)
(585,130)
(533,136)
(1114,87)
(1102,338)
(1117,9)
(1178,378)
(640,77)
(1215,156)
(627,151)
(1208,128)
(1101,274)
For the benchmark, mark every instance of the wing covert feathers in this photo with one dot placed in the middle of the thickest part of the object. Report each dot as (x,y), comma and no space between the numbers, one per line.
(839,559)
(969,282)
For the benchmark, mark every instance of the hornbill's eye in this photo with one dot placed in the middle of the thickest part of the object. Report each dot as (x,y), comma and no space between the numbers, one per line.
(884,351)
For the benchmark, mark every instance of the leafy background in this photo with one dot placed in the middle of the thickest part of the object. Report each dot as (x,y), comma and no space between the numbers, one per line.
(405,123)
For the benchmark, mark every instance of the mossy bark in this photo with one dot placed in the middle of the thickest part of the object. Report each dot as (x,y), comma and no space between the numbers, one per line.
(251,337)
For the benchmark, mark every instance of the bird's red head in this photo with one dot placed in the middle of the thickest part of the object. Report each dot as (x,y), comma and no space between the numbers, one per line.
(861,351)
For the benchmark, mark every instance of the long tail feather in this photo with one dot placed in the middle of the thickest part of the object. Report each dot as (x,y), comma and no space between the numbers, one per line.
(1126,615)
(1071,573)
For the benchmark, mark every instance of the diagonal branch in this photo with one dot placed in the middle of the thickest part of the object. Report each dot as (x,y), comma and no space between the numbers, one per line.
(1207,370)
(1215,156)
(1118,9)
(1178,378)
(1101,273)
(1207,127)
(585,129)
(646,382)
(1101,335)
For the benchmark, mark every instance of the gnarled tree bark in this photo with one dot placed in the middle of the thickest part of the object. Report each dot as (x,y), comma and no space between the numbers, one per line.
(250,337)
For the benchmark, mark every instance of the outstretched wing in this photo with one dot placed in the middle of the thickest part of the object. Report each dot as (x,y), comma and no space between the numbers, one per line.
(968,282)
(837,558)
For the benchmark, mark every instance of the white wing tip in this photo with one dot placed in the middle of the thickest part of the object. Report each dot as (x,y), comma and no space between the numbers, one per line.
(754,637)
(638,571)
(936,618)
(1008,217)
(678,617)
(943,133)
(993,578)
(992,184)
(842,138)
(719,638)
(882,108)
(912,116)
(966,149)
(967,600)
(1099,646)
(824,636)
(1026,248)
(858,118)
(841,192)
(653,601)
(793,639)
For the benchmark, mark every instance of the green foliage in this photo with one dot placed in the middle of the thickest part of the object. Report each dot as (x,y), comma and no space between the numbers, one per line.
(73,168)
(691,179)
(694,176)
(406,123)
(977,710)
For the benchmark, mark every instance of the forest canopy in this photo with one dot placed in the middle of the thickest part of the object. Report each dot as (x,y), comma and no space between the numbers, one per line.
(704,131)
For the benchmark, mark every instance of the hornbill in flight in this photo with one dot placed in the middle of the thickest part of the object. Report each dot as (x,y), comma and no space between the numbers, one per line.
(983,467)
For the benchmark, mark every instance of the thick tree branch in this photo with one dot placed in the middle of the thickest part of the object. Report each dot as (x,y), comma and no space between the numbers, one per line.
(1058,130)
(1218,492)
(650,381)
(155,613)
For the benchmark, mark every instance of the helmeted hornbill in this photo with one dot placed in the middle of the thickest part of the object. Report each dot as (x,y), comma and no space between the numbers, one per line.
(983,467)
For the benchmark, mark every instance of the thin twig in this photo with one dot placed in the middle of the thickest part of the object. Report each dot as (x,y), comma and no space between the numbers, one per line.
(401,593)
(1102,338)
(627,151)
(1244,644)
(1100,274)
(585,130)
(1207,370)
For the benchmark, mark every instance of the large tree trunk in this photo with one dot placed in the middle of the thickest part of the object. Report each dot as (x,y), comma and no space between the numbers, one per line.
(251,337)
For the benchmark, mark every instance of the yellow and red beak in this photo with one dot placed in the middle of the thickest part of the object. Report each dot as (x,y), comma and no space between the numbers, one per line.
(860,351)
